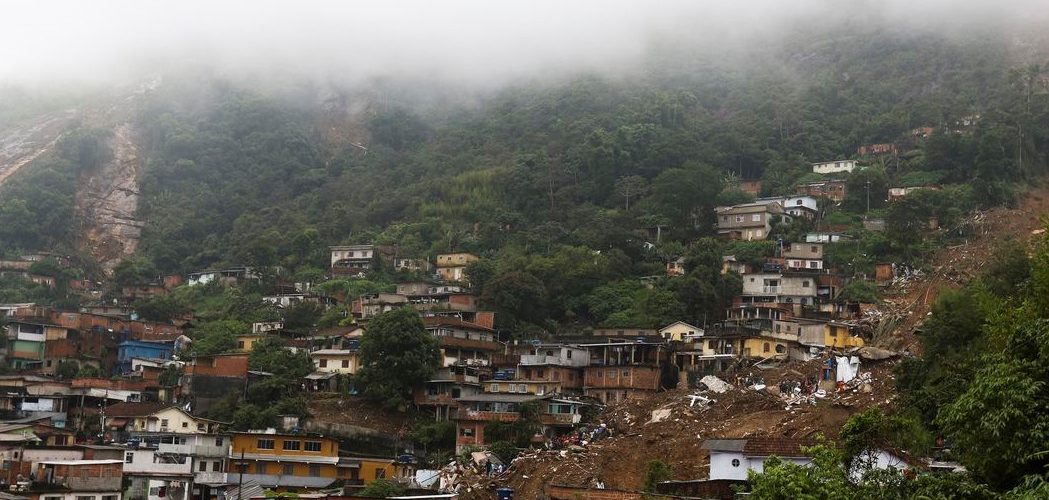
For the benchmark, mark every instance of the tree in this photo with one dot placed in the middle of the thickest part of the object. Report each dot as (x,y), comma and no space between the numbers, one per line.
(381,488)
(686,197)
(631,186)
(517,297)
(216,337)
(88,371)
(397,354)
(67,369)
(656,472)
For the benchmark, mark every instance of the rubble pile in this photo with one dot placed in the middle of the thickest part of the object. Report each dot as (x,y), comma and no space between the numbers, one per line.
(788,400)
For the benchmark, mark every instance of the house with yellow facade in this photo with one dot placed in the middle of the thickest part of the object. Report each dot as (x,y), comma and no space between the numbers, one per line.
(679,331)
(342,361)
(839,335)
(294,462)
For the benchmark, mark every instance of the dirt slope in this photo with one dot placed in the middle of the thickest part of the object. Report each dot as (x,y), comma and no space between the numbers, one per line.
(907,302)
(107,201)
(20,145)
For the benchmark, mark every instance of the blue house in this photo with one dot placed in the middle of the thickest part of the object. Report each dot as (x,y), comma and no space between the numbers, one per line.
(129,349)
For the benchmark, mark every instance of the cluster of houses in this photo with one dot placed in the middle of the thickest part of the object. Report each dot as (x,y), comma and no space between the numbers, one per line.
(107,439)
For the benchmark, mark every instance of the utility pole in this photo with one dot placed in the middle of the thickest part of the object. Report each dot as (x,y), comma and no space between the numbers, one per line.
(868,197)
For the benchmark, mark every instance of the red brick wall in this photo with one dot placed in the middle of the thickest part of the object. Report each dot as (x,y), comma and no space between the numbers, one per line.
(220,366)
(626,377)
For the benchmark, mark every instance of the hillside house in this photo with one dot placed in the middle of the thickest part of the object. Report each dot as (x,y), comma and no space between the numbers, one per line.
(462,343)
(876,149)
(353,259)
(734,458)
(779,288)
(231,276)
(412,265)
(796,206)
(833,167)
(619,371)
(804,256)
(680,331)
(452,266)
(78,480)
(293,462)
(676,267)
(129,349)
(748,221)
(125,418)
(833,190)
(149,472)
(477,411)
(341,361)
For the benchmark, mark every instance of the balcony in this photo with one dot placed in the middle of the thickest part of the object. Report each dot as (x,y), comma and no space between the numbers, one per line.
(210,478)
(489,416)
(541,359)
(770,289)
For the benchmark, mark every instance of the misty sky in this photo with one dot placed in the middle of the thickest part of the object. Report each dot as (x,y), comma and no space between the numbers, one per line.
(44,41)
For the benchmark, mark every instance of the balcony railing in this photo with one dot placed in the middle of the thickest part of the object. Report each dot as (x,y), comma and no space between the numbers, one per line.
(489,416)
(770,289)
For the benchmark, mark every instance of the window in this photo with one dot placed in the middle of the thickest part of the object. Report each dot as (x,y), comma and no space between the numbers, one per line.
(767,347)
(380,473)
(611,374)
(185,425)
(540,373)
(814,248)
(805,284)
(780,349)
(218,441)
(345,363)
(200,427)
(260,467)
(291,445)
(710,345)
(203,466)
(799,203)
(522,388)
(626,373)
(313,446)
(735,462)
(163,422)
(568,354)
(466,432)
(240,344)
(52,498)
(833,332)
(265,444)
(289,469)
(493,388)
(85,497)
(755,218)
(315,470)
(216,466)
(739,218)
(557,376)
(324,363)
(129,457)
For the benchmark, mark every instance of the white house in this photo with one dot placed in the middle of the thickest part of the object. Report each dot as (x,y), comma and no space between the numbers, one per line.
(732,458)
(796,206)
(831,167)
(680,331)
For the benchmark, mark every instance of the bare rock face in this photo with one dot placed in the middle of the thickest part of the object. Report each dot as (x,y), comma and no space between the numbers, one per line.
(107,201)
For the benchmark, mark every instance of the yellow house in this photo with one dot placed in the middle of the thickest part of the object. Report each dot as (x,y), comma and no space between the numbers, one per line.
(452,266)
(678,330)
(247,341)
(766,347)
(295,462)
(839,335)
(344,361)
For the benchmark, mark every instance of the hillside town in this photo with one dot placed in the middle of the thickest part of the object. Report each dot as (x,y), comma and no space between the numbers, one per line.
(101,404)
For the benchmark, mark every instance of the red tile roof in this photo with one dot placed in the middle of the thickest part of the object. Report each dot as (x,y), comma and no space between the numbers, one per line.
(135,409)
(781,447)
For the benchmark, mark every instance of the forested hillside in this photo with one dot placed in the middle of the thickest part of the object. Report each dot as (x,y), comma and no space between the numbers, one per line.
(566,178)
